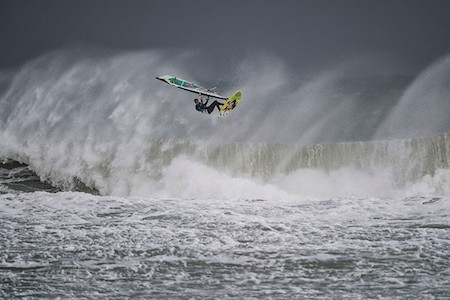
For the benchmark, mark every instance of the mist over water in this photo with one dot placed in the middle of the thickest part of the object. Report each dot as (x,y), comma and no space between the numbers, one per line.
(333,186)
(424,107)
(102,119)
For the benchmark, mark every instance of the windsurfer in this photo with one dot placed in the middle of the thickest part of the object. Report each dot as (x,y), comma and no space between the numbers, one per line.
(202,106)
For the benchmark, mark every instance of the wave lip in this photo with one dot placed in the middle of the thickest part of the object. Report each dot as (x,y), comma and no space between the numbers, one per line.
(100,121)
(173,168)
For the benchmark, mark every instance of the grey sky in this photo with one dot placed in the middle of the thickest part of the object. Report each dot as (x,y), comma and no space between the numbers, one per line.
(303,33)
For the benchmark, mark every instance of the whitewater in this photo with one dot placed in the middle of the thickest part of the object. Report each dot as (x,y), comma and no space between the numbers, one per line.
(112,186)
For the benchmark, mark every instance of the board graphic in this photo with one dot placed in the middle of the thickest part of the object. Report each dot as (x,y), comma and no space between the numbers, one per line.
(231,103)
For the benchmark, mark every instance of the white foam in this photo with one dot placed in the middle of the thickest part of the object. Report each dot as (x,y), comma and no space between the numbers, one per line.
(189,179)
(72,116)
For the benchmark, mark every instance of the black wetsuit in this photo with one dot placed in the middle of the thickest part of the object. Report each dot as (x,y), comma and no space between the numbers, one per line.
(201,107)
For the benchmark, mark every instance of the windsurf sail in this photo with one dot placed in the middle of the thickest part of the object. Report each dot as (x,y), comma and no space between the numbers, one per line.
(189,86)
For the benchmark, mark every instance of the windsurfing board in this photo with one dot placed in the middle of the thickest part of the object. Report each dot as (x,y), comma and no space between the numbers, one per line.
(231,103)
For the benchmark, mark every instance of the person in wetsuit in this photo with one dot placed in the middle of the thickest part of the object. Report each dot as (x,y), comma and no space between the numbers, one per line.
(202,107)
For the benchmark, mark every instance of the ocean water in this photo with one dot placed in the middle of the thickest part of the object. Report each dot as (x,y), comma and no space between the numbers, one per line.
(110,188)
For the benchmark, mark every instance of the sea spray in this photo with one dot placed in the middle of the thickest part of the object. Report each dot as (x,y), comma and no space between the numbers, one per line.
(104,121)
(424,107)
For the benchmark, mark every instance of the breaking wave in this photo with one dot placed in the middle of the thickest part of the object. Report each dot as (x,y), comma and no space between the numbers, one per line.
(102,119)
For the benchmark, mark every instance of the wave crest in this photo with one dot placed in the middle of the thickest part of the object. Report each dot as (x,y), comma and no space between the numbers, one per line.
(104,120)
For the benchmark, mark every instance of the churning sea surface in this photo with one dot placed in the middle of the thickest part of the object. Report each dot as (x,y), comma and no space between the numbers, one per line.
(75,245)
(112,186)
